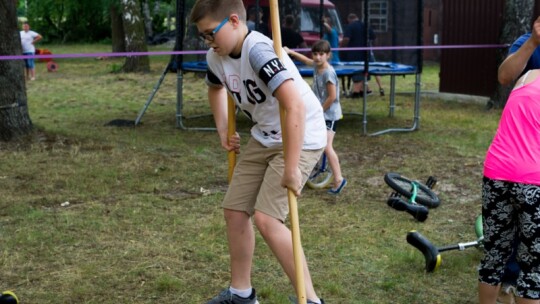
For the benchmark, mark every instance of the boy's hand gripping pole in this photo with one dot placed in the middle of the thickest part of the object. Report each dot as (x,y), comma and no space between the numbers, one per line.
(231,130)
(293,206)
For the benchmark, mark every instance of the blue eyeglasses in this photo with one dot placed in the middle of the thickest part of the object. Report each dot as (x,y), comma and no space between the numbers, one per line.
(212,35)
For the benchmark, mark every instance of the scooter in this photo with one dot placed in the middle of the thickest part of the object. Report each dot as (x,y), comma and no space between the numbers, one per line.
(432,254)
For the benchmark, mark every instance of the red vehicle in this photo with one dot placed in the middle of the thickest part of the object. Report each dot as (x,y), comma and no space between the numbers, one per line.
(310,23)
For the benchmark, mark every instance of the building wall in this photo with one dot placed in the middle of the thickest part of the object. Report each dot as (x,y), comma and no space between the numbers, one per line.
(432,25)
(432,28)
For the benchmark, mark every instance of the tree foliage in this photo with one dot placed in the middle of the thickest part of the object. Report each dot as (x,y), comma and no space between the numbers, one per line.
(70,20)
(83,21)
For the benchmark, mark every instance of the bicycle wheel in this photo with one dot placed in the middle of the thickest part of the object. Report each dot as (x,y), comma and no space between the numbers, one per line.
(425,196)
(321,175)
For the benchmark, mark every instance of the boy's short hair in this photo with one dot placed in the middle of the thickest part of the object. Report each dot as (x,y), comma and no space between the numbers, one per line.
(321,46)
(217,10)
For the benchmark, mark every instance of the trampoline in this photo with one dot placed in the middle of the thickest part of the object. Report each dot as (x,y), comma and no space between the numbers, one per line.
(397,23)
(345,70)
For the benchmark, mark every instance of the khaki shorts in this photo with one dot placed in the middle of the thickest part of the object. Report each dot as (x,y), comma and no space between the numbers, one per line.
(256,183)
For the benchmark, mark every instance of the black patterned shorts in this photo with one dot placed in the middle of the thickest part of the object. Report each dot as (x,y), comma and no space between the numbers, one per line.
(508,208)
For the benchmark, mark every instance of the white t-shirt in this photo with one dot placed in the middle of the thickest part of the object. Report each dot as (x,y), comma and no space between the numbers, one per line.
(252,79)
(26,41)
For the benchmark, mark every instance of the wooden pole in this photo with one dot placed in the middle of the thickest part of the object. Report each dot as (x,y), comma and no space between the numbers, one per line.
(231,129)
(293,206)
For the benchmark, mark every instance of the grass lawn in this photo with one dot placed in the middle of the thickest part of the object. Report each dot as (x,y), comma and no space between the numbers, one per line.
(98,214)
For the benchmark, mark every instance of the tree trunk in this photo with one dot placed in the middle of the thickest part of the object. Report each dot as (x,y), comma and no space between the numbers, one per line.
(518,15)
(117,30)
(157,6)
(147,19)
(14,118)
(134,37)
(169,20)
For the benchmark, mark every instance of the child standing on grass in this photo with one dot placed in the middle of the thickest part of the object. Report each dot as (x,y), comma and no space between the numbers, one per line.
(326,87)
(28,39)
(244,64)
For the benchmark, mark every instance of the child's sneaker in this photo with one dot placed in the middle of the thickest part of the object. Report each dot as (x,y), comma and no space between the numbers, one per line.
(226,297)
(336,191)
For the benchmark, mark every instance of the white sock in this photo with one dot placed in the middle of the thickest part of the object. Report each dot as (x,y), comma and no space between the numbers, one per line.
(244,293)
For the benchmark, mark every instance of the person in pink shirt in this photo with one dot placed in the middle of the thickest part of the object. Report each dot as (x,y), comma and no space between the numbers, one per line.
(511,195)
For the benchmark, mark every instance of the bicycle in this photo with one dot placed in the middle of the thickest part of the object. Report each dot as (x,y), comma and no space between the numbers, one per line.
(321,175)
(419,196)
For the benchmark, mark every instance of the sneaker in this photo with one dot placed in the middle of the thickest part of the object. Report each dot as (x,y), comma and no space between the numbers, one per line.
(295,301)
(361,93)
(336,191)
(381,91)
(226,297)
(356,94)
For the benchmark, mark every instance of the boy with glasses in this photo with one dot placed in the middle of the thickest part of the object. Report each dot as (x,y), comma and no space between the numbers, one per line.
(244,64)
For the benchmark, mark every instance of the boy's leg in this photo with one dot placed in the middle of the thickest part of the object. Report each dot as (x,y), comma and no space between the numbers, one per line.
(279,239)
(271,212)
(238,206)
(241,240)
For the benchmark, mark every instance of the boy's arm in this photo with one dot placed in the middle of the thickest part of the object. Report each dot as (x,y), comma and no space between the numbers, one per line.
(292,104)
(304,59)
(515,63)
(217,97)
(332,94)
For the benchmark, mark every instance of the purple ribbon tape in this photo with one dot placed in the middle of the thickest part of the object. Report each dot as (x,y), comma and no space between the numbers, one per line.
(128,54)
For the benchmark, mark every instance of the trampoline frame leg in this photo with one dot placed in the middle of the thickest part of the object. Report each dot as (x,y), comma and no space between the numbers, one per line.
(180,107)
(416,117)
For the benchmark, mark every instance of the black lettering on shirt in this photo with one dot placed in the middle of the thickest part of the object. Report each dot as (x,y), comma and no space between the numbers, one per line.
(270,69)
(254,93)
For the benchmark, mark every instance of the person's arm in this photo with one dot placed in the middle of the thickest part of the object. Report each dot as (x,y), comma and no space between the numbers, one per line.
(302,58)
(346,35)
(294,122)
(217,96)
(327,27)
(37,38)
(515,63)
(332,94)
